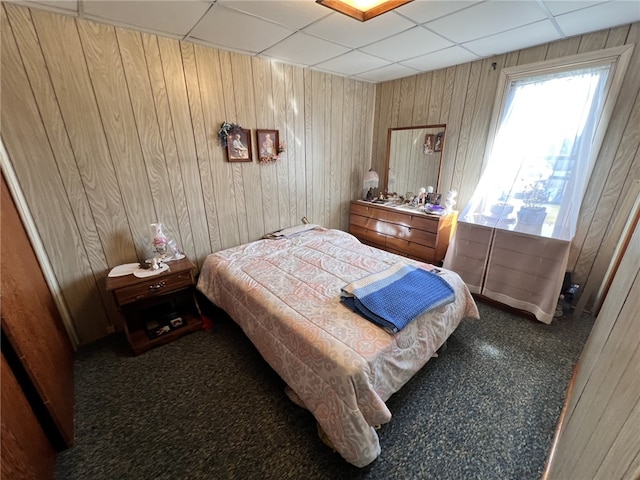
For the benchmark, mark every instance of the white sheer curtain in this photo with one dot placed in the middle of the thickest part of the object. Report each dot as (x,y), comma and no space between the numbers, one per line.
(541,155)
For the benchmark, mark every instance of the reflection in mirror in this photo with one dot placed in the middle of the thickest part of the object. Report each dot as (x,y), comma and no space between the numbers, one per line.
(414,158)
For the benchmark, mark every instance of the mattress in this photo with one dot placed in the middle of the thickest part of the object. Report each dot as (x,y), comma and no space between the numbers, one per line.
(285,295)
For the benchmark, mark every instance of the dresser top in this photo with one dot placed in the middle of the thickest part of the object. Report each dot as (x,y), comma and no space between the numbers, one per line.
(405,208)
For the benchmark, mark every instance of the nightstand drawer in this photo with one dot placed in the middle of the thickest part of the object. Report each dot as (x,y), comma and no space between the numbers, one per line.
(157,286)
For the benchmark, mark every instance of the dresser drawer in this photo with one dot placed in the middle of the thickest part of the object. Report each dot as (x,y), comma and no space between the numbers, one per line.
(399,218)
(358,221)
(368,223)
(364,210)
(379,226)
(537,247)
(411,249)
(427,224)
(420,251)
(368,235)
(427,239)
(151,288)
(414,221)
(403,233)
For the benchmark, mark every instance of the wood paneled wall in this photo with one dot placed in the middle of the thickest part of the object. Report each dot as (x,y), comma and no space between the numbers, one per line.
(598,435)
(109,130)
(463,98)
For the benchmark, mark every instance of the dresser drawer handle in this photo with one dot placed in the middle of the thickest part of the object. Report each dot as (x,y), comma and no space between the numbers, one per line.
(157,286)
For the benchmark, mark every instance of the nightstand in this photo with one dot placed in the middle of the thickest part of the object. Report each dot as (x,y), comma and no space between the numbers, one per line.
(157,309)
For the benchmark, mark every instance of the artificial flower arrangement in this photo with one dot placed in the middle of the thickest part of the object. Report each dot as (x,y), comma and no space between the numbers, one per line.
(224,131)
(274,157)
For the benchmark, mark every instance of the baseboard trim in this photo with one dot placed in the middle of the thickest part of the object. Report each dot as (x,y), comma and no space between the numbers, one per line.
(560,425)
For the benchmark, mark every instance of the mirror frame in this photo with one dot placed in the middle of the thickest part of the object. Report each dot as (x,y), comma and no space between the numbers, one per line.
(440,126)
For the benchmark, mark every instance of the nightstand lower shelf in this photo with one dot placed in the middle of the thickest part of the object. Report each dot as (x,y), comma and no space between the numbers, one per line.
(141,342)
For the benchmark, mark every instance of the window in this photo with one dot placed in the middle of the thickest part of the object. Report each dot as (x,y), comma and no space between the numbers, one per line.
(548,125)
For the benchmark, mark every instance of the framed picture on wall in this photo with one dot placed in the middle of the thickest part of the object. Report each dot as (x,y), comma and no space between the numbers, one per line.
(429,142)
(239,145)
(437,146)
(268,141)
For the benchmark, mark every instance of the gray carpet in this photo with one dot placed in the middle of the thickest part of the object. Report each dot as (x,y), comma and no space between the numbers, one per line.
(208,407)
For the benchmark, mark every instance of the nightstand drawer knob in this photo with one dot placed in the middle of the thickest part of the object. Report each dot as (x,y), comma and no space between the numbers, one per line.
(157,286)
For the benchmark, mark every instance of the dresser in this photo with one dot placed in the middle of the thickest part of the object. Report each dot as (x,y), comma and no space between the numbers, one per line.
(413,234)
(521,270)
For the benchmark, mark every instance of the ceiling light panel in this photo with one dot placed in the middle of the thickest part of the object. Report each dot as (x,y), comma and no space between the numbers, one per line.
(362,10)
(343,30)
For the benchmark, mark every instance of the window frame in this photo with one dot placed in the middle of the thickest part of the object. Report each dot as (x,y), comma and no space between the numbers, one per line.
(617,57)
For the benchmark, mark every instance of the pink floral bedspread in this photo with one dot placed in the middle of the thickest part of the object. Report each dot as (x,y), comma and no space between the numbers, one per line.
(285,295)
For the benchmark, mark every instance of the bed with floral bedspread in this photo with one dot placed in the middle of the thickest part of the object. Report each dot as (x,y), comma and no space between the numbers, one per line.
(285,295)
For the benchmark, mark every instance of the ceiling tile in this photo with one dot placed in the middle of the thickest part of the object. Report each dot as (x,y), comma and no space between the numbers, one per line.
(441,59)
(408,44)
(229,28)
(71,5)
(558,7)
(421,11)
(422,35)
(486,19)
(303,49)
(523,37)
(294,15)
(599,17)
(352,33)
(387,73)
(173,17)
(351,63)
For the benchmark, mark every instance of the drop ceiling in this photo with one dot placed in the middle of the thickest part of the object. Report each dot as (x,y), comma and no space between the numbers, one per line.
(418,37)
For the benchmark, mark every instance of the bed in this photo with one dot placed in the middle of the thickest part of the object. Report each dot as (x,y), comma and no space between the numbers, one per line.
(285,295)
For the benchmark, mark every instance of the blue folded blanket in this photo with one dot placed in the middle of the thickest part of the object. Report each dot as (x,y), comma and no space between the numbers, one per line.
(396,296)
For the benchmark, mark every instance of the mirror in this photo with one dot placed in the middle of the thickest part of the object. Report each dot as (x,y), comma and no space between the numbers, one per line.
(414,158)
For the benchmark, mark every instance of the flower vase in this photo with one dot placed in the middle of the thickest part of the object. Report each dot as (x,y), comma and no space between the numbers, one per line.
(159,239)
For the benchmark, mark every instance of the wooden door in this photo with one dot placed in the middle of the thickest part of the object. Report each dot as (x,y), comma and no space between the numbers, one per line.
(27,454)
(36,343)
